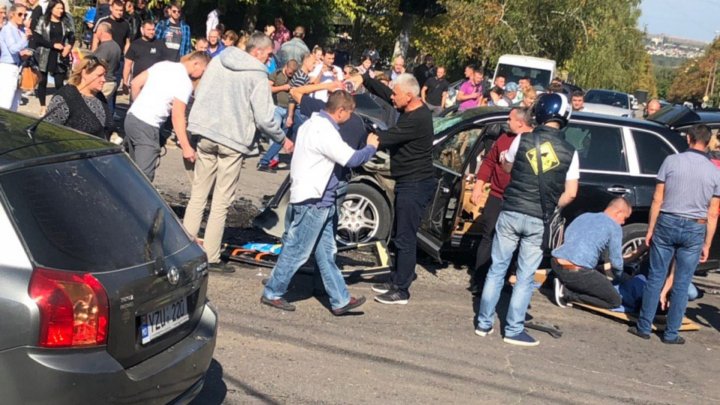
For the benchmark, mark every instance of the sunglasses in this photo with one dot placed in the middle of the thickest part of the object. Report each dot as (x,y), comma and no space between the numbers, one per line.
(21,14)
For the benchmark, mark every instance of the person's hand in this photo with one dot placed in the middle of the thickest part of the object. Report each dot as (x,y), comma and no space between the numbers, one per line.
(28,31)
(66,50)
(289,122)
(373,140)
(705,253)
(26,53)
(288,145)
(664,302)
(58,46)
(337,85)
(477,193)
(189,154)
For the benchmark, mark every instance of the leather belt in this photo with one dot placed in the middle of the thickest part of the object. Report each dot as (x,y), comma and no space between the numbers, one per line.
(569,267)
(701,221)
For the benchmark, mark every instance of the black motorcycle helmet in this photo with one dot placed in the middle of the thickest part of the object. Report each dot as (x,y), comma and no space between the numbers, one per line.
(551,107)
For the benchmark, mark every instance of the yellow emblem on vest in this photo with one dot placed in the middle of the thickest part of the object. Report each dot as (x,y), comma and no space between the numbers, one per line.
(548,157)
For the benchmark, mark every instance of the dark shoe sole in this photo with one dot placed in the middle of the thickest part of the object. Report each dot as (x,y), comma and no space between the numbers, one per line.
(277,304)
(633,331)
(679,341)
(349,307)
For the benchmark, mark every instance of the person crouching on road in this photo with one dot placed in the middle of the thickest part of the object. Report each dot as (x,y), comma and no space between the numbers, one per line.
(309,225)
(524,207)
(164,88)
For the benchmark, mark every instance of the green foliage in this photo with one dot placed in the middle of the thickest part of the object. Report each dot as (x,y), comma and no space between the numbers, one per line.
(693,78)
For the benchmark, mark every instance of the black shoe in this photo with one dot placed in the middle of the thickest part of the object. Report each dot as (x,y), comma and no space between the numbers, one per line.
(633,330)
(473,288)
(677,341)
(393,297)
(279,303)
(354,303)
(265,168)
(221,267)
(265,280)
(382,288)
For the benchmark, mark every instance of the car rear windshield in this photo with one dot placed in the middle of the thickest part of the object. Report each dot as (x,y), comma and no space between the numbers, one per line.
(539,78)
(90,215)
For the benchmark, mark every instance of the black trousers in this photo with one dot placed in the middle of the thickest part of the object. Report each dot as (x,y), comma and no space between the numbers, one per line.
(411,201)
(588,286)
(42,84)
(489,218)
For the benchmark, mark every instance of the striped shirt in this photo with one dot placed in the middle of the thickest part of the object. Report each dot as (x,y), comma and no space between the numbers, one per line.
(691,180)
(300,78)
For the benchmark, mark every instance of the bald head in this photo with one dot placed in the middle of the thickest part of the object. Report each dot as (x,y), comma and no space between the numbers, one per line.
(653,106)
(619,210)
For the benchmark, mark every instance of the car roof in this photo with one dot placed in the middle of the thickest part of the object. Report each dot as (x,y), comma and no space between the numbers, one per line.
(679,117)
(472,115)
(20,147)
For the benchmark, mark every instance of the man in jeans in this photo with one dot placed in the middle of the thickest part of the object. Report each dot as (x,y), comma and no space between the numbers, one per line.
(521,218)
(683,217)
(231,102)
(309,222)
(280,87)
(410,144)
(573,263)
(491,171)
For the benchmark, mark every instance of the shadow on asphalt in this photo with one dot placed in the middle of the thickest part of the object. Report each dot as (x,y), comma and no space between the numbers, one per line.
(705,315)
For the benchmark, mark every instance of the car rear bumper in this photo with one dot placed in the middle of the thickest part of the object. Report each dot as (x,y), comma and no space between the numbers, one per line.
(32,375)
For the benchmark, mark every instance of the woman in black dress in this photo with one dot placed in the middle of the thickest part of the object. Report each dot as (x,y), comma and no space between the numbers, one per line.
(53,37)
(80,104)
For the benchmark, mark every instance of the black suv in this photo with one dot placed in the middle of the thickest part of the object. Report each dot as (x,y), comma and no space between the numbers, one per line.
(102,292)
(618,157)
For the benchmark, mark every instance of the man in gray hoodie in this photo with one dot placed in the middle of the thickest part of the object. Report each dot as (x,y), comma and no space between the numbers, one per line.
(232,101)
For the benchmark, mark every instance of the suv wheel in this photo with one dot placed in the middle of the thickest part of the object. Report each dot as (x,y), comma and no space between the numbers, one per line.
(633,237)
(365,215)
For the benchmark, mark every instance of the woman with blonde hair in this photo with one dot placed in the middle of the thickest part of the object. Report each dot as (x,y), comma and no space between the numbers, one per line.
(230,38)
(529,96)
(80,104)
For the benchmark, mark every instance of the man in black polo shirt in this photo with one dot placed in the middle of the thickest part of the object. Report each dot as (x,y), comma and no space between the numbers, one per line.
(435,92)
(143,53)
(410,144)
(119,27)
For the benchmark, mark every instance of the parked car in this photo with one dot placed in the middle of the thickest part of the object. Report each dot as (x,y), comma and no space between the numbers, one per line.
(103,296)
(618,157)
(608,102)
(514,67)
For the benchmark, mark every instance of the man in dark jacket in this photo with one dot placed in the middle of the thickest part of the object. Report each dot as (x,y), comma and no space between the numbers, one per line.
(410,144)
(521,218)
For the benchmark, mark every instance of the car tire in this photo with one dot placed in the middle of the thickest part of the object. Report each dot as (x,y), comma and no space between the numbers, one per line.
(633,237)
(369,216)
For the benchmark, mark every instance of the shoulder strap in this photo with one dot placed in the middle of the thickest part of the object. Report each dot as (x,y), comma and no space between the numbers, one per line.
(541,181)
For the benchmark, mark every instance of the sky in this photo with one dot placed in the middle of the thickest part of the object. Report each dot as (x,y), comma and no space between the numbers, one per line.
(690,19)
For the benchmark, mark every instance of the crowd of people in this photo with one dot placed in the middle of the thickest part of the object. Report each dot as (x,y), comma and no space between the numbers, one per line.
(225,90)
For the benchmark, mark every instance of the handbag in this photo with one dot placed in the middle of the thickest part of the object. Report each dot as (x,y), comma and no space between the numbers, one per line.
(29,78)
(553,222)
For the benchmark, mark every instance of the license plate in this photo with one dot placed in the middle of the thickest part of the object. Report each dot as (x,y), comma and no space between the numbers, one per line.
(162,321)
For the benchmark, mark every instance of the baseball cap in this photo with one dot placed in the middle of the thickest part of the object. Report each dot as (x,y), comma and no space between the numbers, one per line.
(512,86)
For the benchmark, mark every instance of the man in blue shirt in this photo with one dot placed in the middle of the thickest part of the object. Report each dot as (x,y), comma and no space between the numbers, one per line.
(573,263)
(13,50)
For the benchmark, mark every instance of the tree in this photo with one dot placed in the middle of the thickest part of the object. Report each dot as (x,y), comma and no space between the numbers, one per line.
(693,79)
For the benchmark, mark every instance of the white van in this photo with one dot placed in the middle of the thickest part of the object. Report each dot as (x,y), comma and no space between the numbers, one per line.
(515,67)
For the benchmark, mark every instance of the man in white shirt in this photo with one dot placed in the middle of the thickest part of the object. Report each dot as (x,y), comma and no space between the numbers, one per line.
(309,224)
(164,88)
(326,72)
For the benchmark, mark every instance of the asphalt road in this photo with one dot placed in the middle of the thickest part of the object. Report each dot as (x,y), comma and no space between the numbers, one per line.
(426,352)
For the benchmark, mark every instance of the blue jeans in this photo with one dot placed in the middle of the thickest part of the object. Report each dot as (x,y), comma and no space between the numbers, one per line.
(684,239)
(512,228)
(308,229)
(274,149)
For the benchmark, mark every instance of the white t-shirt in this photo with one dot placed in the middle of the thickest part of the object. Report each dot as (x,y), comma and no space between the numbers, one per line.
(166,82)
(573,172)
(335,74)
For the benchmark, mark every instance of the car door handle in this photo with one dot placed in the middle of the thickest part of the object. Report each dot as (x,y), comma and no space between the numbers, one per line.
(618,190)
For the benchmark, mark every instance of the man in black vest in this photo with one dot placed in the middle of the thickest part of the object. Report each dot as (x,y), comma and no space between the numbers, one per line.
(521,218)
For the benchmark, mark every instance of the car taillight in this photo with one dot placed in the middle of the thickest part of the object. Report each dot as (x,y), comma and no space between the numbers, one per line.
(73,308)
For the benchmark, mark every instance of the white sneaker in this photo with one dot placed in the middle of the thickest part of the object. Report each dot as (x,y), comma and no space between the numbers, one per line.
(560,294)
